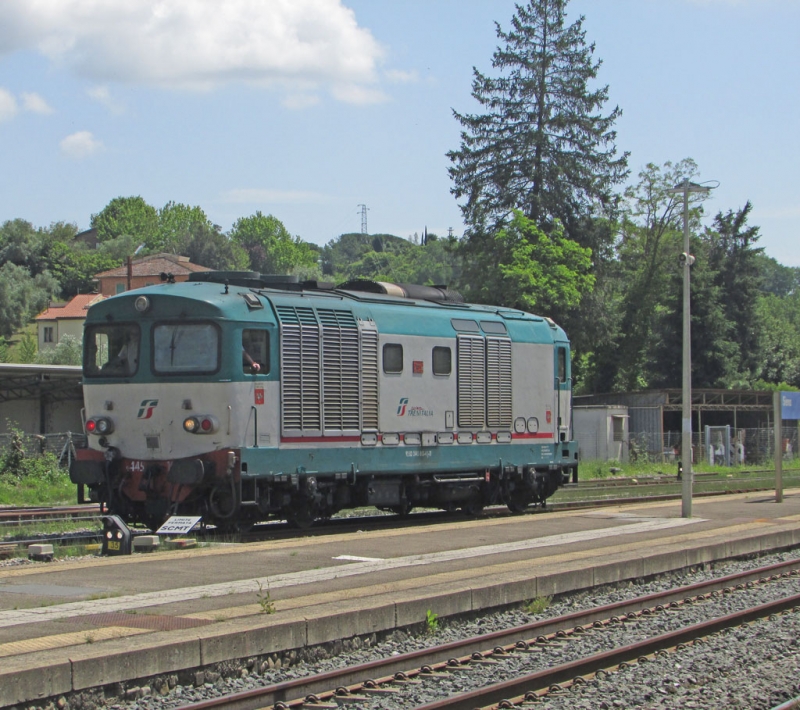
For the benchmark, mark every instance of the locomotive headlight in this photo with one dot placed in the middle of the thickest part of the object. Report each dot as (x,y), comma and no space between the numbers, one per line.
(104,425)
(99,425)
(204,424)
(142,304)
(533,425)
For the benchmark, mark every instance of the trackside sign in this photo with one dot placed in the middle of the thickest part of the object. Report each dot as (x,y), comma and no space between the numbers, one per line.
(178,525)
(790,405)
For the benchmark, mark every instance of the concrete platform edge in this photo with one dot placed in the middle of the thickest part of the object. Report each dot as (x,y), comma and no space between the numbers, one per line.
(32,677)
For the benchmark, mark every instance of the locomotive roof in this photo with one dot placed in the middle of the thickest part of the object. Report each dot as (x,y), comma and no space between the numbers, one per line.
(393,314)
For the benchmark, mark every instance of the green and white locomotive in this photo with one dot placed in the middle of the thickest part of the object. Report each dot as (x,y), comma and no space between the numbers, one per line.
(242,398)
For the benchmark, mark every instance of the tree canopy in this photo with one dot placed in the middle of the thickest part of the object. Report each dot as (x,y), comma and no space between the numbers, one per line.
(269,246)
(542,144)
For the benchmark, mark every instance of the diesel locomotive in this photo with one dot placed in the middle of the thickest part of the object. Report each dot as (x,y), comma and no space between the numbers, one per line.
(241,397)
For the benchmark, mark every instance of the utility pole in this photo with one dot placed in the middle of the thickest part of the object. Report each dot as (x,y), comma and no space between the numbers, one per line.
(686,260)
(363,219)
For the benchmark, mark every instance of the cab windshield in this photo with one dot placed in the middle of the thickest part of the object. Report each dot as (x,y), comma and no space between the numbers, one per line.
(111,350)
(185,348)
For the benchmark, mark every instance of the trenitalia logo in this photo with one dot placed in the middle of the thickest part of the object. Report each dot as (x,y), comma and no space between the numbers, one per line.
(404,410)
(146,408)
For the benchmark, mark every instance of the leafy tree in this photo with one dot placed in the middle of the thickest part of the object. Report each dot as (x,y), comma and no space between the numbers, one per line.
(22,244)
(176,223)
(714,352)
(780,332)
(734,257)
(776,278)
(22,296)
(543,145)
(128,215)
(339,255)
(206,245)
(74,267)
(68,351)
(638,280)
(532,270)
(26,348)
(269,246)
(119,248)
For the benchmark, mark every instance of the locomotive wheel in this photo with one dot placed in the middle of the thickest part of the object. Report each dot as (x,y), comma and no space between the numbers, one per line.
(473,508)
(301,518)
(517,506)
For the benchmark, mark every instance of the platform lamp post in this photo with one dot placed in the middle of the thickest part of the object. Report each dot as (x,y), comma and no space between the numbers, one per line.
(686,260)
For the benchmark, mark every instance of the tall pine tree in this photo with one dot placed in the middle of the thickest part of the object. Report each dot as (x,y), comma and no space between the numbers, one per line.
(542,146)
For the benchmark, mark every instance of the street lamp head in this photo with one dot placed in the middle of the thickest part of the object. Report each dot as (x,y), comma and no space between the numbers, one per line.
(688,186)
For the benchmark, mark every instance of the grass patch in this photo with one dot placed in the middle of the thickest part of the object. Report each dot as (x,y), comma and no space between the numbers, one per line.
(537,605)
(53,489)
(265,600)
(431,622)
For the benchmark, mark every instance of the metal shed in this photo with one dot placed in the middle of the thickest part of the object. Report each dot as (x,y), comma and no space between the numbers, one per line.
(601,432)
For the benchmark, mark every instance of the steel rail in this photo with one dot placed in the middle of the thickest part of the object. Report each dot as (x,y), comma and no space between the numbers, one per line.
(513,692)
(368,677)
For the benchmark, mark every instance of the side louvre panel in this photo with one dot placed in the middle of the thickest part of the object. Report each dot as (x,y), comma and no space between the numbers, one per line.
(329,372)
(301,382)
(340,374)
(498,383)
(471,374)
(369,375)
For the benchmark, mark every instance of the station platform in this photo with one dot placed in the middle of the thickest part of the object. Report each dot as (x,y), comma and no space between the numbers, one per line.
(66,627)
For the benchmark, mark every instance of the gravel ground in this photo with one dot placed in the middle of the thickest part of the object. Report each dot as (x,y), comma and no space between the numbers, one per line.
(755,667)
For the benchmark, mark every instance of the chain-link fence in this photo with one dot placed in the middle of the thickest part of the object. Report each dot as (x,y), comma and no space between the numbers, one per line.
(750,446)
(62,445)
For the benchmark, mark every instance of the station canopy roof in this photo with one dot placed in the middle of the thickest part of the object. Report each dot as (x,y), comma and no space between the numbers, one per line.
(57,382)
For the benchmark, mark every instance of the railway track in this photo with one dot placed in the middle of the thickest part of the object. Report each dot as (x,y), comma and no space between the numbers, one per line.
(596,491)
(357,685)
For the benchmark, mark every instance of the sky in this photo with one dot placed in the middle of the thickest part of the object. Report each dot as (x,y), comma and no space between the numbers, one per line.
(308,109)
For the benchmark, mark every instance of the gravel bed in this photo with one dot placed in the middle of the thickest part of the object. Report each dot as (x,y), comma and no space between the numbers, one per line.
(755,667)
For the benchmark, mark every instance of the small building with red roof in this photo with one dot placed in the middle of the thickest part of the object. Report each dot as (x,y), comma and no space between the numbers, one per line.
(64,319)
(146,271)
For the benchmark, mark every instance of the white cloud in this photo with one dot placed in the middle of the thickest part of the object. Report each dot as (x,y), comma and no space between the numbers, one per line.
(80,145)
(8,105)
(102,95)
(398,76)
(35,103)
(254,195)
(200,44)
(300,101)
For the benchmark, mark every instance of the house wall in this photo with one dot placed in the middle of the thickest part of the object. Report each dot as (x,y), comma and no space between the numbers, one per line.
(61,327)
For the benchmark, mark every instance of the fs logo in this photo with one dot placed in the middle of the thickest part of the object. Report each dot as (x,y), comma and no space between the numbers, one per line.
(146,408)
(401,409)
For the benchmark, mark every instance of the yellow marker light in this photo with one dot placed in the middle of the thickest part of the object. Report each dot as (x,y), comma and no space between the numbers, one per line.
(191,424)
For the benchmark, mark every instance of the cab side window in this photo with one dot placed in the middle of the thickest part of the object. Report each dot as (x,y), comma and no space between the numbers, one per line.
(442,361)
(392,358)
(255,351)
(562,364)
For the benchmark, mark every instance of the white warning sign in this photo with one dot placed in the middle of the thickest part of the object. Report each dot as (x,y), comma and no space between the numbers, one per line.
(178,525)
